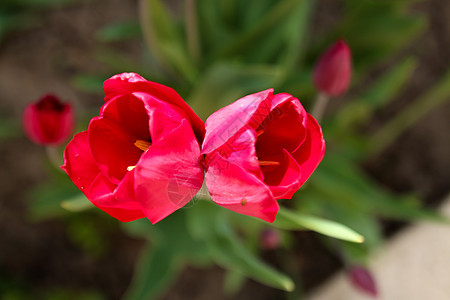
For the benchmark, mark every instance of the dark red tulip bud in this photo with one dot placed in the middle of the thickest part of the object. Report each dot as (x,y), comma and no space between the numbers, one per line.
(270,239)
(48,121)
(363,280)
(333,71)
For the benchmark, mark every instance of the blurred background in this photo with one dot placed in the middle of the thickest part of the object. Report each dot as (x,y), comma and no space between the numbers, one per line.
(388,137)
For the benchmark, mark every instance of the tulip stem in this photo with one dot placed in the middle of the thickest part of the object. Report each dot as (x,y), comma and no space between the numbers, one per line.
(192,30)
(54,156)
(319,106)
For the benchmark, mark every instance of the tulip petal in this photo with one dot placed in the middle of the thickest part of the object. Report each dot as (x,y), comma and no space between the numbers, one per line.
(112,136)
(128,83)
(282,129)
(79,164)
(242,152)
(289,183)
(163,117)
(169,173)
(103,197)
(236,117)
(130,114)
(311,152)
(234,188)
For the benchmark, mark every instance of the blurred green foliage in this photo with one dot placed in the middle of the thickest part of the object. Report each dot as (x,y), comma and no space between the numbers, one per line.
(214,52)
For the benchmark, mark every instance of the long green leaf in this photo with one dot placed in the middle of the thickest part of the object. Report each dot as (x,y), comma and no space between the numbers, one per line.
(119,31)
(250,37)
(77,203)
(296,35)
(45,200)
(341,181)
(375,96)
(439,94)
(229,252)
(207,221)
(296,221)
(225,83)
(234,281)
(154,273)
(163,38)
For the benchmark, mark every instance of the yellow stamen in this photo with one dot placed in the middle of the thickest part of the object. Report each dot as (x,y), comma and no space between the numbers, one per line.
(243,202)
(143,145)
(130,168)
(259,132)
(263,163)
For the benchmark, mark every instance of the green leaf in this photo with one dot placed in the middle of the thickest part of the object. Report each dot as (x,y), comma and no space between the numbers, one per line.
(233,282)
(214,32)
(224,83)
(155,271)
(296,221)
(141,228)
(380,93)
(45,200)
(296,35)
(312,202)
(207,221)
(163,38)
(77,203)
(89,83)
(259,31)
(341,181)
(437,95)
(377,30)
(8,128)
(119,31)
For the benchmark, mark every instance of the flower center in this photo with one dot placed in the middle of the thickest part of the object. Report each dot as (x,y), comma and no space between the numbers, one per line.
(263,163)
(142,145)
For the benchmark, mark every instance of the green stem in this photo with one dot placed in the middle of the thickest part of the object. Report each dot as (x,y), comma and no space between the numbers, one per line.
(192,30)
(319,106)
(438,95)
(54,156)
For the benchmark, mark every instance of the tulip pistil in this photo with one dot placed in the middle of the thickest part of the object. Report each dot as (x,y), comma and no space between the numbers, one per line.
(263,163)
(142,145)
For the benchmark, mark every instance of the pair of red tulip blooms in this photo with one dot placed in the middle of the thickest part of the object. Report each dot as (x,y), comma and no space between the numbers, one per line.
(147,153)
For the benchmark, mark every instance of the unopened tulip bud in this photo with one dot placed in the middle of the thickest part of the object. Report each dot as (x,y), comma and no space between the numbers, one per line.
(333,70)
(270,239)
(363,280)
(48,121)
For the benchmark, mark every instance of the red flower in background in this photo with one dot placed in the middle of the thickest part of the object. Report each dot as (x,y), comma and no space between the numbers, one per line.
(362,279)
(141,156)
(258,149)
(333,71)
(48,121)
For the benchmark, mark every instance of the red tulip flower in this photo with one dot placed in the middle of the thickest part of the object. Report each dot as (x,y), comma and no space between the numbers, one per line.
(270,239)
(363,280)
(48,121)
(141,156)
(333,71)
(258,149)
